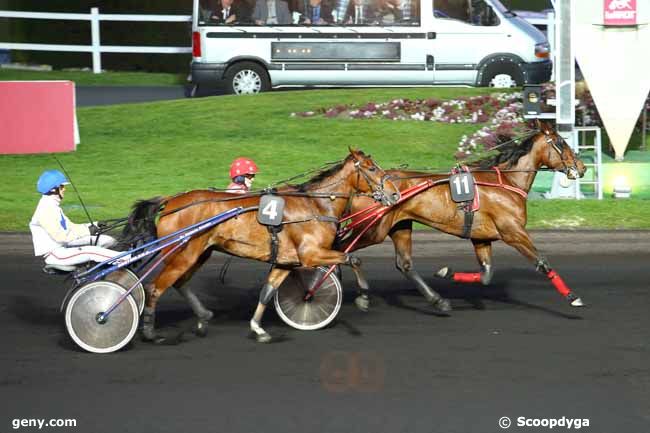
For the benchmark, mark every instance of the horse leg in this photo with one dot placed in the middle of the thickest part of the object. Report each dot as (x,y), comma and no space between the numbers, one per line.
(362,301)
(483,250)
(171,273)
(518,238)
(273,281)
(404,262)
(203,314)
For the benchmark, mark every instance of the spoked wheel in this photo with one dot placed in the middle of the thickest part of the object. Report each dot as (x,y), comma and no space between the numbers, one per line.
(82,317)
(127,278)
(317,312)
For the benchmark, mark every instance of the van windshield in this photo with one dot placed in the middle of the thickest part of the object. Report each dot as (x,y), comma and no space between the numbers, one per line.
(309,12)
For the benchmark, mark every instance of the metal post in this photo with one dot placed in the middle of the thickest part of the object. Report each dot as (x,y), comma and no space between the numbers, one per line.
(96,44)
(550,35)
(644,125)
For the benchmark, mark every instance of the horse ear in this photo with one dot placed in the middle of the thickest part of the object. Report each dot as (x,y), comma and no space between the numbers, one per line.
(352,151)
(538,124)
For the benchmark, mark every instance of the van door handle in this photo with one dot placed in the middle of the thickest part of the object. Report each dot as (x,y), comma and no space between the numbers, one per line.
(431,35)
(429,62)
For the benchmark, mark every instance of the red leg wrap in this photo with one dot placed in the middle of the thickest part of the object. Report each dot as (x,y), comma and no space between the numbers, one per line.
(472,277)
(559,284)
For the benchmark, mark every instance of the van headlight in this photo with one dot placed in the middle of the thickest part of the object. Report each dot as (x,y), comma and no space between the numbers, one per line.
(543,50)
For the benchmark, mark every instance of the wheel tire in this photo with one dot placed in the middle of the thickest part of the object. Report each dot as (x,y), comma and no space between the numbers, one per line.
(502,75)
(127,278)
(316,313)
(247,78)
(92,299)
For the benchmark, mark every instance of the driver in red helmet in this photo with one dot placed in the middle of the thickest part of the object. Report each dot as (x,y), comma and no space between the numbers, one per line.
(242,173)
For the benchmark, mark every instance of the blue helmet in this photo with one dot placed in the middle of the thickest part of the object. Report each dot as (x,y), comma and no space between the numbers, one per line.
(49,180)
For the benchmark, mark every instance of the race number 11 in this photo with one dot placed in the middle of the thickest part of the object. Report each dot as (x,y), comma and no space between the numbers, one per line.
(462,187)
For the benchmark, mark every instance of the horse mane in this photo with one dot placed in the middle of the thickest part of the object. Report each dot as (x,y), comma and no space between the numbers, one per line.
(510,153)
(323,174)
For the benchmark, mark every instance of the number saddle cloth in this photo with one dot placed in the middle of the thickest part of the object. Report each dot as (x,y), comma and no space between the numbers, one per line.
(464,192)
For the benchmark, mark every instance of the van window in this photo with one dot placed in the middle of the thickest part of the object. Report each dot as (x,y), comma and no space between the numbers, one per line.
(474,12)
(310,12)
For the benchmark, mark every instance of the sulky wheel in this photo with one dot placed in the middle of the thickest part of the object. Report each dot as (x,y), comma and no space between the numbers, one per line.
(82,313)
(317,312)
(127,278)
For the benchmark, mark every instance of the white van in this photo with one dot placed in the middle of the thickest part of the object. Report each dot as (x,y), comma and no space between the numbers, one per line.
(252,46)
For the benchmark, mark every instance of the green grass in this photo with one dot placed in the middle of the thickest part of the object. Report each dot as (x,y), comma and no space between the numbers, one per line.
(90,79)
(608,213)
(143,150)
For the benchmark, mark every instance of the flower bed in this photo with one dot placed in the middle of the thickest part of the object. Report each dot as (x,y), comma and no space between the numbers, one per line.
(501,112)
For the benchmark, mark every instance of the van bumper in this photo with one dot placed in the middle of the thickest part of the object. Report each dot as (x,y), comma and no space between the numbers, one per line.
(207,73)
(537,72)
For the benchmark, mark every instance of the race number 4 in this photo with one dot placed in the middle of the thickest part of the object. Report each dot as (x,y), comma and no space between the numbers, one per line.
(271,210)
(462,187)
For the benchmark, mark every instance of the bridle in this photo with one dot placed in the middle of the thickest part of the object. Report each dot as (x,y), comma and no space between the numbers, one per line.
(379,193)
(571,170)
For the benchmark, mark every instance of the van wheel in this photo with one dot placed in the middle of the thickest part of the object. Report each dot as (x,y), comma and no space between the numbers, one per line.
(502,75)
(247,78)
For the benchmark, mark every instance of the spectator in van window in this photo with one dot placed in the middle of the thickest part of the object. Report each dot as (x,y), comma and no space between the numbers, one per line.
(228,12)
(389,12)
(271,12)
(359,12)
(316,13)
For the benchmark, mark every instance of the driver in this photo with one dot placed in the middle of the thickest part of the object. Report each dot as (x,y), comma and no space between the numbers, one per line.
(242,174)
(55,237)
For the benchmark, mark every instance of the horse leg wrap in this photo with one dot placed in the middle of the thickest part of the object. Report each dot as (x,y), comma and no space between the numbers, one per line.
(353,260)
(543,266)
(267,293)
(429,294)
(486,274)
(559,284)
(148,320)
(467,277)
(201,312)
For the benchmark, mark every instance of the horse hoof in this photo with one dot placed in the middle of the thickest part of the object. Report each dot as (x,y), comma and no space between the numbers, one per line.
(261,338)
(577,302)
(444,273)
(155,339)
(201,329)
(443,305)
(363,303)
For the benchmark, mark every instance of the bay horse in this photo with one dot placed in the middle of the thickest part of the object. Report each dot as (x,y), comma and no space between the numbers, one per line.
(503,181)
(311,214)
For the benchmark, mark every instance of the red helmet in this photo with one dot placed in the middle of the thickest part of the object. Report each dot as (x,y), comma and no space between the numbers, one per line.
(242,166)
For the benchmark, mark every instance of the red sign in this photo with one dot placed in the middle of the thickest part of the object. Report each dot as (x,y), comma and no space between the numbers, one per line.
(620,12)
(37,117)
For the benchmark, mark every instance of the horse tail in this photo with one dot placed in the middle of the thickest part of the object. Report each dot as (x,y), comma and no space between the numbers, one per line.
(141,224)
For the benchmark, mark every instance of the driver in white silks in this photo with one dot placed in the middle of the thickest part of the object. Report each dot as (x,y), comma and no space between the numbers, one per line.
(60,241)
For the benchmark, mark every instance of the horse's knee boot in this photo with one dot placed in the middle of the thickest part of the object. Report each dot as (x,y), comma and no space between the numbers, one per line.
(267,294)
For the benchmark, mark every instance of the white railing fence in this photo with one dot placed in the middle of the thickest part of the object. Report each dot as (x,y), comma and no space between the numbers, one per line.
(96,48)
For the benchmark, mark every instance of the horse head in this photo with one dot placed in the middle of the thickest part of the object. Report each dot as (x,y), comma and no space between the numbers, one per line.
(372,178)
(557,155)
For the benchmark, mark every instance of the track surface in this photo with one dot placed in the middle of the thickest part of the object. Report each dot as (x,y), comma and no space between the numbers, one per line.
(512,349)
